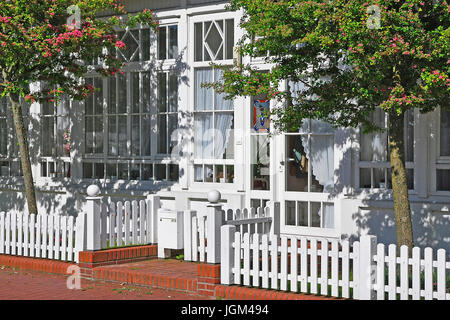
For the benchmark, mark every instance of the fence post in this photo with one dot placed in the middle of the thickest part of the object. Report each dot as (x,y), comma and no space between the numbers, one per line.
(187,234)
(227,254)
(367,267)
(154,204)
(215,219)
(275,214)
(94,207)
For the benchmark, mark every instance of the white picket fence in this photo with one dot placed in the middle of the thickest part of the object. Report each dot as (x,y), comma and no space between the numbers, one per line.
(42,236)
(128,223)
(202,241)
(407,277)
(331,267)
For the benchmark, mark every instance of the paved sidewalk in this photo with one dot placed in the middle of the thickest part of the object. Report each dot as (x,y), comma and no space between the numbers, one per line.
(16,284)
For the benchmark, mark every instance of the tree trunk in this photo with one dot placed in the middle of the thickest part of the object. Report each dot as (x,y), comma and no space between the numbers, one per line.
(24,153)
(402,209)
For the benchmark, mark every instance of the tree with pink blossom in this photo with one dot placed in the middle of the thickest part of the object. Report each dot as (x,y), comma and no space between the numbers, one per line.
(49,41)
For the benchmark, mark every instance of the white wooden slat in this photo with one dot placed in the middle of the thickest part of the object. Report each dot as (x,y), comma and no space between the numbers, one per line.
(246,247)
(195,249)
(13,233)
(252,226)
(237,258)
(202,237)
(19,233)
(265,261)
(127,223)
(428,273)
(345,269)
(103,226)
(304,264)
(50,236)
(313,263)
(324,267)
(255,260)
(149,221)
(284,265)
(294,264)
(112,225)
(334,268)
(355,269)
(274,239)
(57,228)
(63,238)
(2,232)
(404,286)
(70,238)
(135,214)
(142,222)
(416,273)
(392,276)
(8,233)
(119,219)
(39,236)
(26,234)
(244,215)
(380,288)
(441,278)
(32,228)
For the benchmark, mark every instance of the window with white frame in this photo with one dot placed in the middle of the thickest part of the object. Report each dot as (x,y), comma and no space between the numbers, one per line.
(213,115)
(137,44)
(214,40)
(119,126)
(56,139)
(213,127)
(443,160)
(167,118)
(9,149)
(374,155)
(260,143)
(167,42)
(309,167)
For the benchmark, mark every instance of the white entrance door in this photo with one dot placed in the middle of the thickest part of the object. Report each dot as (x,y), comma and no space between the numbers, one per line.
(306,177)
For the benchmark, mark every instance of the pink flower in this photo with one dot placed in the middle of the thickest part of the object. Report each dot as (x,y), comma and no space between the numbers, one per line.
(120,44)
(3,44)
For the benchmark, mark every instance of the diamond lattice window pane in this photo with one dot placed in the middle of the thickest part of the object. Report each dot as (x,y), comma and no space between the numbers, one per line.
(131,46)
(214,41)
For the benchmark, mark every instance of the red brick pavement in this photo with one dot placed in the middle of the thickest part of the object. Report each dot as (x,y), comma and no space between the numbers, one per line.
(16,284)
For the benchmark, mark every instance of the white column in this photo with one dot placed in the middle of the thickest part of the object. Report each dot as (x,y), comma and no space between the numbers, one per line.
(227,254)
(367,267)
(93,218)
(154,202)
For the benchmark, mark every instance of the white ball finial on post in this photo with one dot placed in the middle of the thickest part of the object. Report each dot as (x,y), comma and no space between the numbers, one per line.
(214,196)
(93,190)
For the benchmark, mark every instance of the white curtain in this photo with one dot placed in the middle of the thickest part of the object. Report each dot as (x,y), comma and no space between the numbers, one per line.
(203,96)
(328,218)
(222,134)
(320,153)
(203,138)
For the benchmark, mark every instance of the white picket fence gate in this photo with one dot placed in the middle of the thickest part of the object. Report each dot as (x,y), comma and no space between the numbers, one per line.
(42,236)
(332,267)
(202,241)
(128,223)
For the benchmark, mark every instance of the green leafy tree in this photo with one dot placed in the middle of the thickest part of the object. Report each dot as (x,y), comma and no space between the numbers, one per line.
(352,57)
(48,41)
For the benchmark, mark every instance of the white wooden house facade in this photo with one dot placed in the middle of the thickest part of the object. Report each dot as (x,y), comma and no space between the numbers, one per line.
(154,129)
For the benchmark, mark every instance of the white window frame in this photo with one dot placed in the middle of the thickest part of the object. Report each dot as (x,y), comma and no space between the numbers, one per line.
(383,164)
(206,64)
